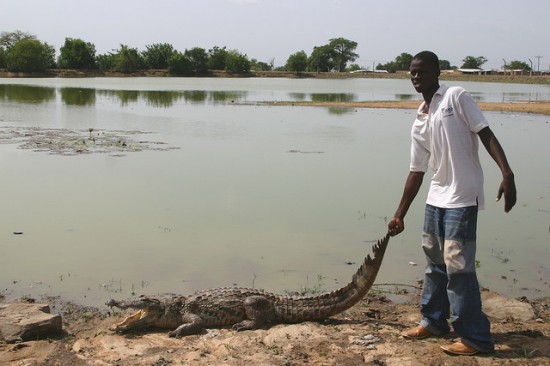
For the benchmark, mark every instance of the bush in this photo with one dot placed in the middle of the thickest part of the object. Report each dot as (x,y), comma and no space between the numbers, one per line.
(3,56)
(179,64)
(297,62)
(216,58)
(198,58)
(157,55)
(127,60)
(77,54)
(30,55)
(237,63)
(106,61)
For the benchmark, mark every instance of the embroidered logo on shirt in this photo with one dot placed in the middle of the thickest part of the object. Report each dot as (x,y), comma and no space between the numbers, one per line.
(446,112)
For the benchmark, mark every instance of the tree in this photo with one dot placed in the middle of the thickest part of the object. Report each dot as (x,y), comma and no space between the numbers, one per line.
(216,58)
(106,61)
(297,62)
(445,65)
(321,59)
(9,39)
(518,65)
(30,55)
(77,54)
(403,61)
(179,64)
(259,65)
(237,62)
(156,56)
(343,52)
(390,67)
(355,67)
(3,57)
(471,62)
(198,58)
(127,60)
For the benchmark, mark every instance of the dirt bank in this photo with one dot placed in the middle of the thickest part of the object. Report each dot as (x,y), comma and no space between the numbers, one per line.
(367,334)
(538,107)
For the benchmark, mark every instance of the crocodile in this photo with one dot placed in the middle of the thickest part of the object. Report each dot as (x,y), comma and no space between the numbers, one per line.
(245,308)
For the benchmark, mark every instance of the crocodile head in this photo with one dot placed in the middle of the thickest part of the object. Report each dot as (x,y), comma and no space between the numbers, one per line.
(150,313)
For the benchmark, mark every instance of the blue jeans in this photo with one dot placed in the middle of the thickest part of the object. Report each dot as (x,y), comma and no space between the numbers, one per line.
(450,283)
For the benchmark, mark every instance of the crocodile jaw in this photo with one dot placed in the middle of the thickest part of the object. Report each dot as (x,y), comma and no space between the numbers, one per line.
(129,320)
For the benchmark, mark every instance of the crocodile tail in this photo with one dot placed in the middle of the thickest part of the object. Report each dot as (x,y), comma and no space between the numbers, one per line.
(364,278)
(335,302)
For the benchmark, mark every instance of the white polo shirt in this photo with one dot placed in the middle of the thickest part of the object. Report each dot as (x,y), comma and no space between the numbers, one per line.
(446,140)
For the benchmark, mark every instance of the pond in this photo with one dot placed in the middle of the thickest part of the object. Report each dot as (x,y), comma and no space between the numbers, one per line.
(180,184)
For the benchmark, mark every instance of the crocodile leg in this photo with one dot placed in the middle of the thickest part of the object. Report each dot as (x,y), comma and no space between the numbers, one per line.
(192,324)
(257,309)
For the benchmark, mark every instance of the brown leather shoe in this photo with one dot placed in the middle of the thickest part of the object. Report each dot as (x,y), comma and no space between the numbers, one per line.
(459,348)
(416,333)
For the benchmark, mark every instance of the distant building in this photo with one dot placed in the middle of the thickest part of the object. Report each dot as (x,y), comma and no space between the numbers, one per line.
(473,71)
(514,72)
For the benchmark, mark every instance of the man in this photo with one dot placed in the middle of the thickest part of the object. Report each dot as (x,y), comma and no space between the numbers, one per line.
(444,138)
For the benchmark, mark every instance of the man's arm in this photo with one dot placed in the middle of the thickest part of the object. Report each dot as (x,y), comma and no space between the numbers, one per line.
(508,185)
(412,186)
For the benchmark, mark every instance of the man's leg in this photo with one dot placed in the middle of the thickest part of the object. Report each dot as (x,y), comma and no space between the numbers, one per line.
(468,320)
(435,304)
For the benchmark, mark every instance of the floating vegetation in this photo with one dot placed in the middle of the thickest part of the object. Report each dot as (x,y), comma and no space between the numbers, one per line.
(76,142)
(500,255)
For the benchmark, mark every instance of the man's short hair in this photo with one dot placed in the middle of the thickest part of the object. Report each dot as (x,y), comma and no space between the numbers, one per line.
(428,57)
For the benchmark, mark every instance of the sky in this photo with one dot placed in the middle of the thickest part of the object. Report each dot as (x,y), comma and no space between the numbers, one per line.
(274,29)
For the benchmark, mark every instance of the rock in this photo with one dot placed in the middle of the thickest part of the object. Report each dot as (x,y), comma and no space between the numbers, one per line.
(21,322)
(502,308)
(367,340)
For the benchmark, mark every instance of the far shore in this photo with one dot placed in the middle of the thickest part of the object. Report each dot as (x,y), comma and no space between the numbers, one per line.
(445,75)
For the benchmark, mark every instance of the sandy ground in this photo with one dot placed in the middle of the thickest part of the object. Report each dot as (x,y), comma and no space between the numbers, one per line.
(367,334)
(535,107)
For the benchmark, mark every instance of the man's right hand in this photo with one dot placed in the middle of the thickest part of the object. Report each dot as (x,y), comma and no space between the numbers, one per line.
(396,226)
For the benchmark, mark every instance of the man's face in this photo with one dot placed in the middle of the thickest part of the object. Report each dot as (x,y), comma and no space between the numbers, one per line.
(424,76)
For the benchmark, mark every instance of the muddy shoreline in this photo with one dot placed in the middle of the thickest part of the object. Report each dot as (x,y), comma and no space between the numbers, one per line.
(366,334)
(534,107)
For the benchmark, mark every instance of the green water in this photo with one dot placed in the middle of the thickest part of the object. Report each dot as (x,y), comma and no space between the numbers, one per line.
(280,198)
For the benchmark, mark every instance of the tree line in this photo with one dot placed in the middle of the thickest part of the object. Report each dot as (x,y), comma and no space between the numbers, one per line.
(23,52)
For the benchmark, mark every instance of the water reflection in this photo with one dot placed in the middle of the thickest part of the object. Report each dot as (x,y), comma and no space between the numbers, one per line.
(161,99)
(340,111)
(78,96)
(226,96)
(515,96)
(167,99)
(404,96)
(88,97)
(167,92)
(478,97)
(127,96)
(333,97)
(299,97)
(27,94)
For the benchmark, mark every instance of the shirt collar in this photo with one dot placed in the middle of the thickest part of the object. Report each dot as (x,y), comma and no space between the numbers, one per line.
(440,92)
(442,89)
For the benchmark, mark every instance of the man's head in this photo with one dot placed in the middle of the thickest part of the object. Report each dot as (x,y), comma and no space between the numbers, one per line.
(425,72)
